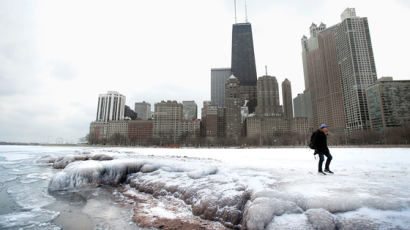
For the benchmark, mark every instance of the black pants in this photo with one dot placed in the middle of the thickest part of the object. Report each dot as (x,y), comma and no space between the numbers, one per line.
(321,159)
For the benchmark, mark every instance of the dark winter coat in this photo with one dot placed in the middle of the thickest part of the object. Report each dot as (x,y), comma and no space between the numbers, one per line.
(320,142)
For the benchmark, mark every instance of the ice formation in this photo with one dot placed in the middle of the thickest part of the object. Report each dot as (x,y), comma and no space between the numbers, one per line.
(321,219)
(84,173)
(24,219)
(269,192)
(263,207)
(212,196)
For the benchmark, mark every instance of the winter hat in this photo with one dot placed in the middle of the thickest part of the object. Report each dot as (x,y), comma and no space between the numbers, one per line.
(322,126)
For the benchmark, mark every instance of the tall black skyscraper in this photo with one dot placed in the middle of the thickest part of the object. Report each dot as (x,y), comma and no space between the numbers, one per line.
(243,62)
(243,57)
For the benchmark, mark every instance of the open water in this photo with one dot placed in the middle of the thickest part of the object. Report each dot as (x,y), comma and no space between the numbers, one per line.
(25,202)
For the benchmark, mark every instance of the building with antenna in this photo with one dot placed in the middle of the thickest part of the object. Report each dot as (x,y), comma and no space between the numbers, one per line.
(243,64)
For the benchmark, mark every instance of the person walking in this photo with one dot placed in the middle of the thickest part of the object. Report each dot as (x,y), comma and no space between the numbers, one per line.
(319,141)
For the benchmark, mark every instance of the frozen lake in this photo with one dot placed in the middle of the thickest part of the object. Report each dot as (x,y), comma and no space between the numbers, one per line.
(115,188)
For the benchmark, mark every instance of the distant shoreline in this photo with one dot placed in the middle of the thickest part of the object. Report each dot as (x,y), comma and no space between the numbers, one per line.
(39,144)
(205,147)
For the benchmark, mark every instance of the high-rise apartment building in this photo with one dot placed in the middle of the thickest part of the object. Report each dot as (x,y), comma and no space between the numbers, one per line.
(302,106)
(287,99)
(307,46)
(339,65)
(213,120)
(268,97)
(190,128)
(323,91)
(233,103)
(203,117)
(221,122)
(210,120)
(167,120)
(143,110)
(190,110)
(111,107)
(243,65)
(267,127)
(356,66)
(388,104)
(218,80)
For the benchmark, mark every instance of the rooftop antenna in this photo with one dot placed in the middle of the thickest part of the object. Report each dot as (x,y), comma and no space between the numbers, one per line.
(266,70)
(235,9)
(246,13)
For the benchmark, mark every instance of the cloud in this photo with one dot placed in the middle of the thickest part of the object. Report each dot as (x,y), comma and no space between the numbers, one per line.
(18,68)
(404,3)
(42,120)
(63,70)
(18,55)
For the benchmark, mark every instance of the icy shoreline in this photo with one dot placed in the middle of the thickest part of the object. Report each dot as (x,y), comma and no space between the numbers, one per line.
(260,189)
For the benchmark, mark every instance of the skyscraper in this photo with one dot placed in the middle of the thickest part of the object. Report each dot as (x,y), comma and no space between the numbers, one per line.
(357,67)
(210,120)
(233,104)
(218,80)
(268,97)
(287,99)
(167,120)
(243,65)
(301,106)
(111,107)
(322,75)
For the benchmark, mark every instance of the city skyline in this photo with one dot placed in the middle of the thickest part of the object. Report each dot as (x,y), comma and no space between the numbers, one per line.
(53,66)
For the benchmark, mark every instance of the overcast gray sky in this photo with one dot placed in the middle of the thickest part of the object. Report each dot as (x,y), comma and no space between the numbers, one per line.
(56,57)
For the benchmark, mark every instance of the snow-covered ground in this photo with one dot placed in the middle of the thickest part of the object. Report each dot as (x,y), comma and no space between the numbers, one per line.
(256,188)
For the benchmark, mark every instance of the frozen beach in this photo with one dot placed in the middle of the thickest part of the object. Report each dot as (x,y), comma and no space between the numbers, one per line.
(120,188)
